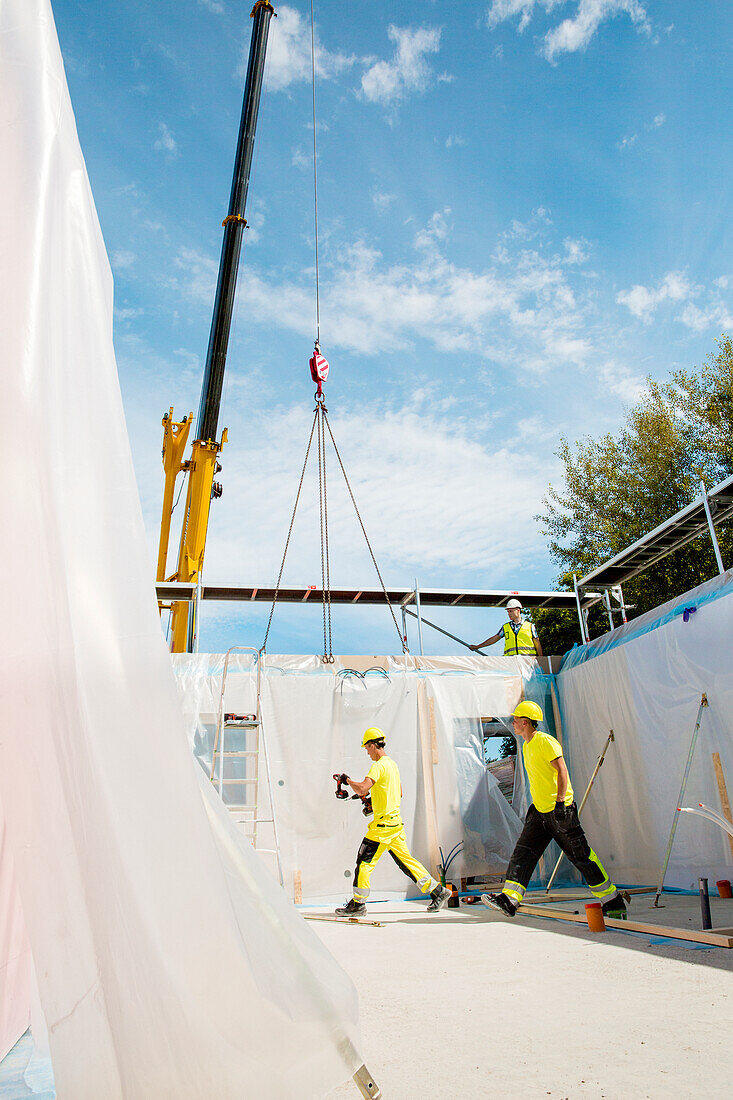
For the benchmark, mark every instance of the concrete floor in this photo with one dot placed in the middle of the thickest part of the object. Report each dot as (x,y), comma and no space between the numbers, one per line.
(468,1004)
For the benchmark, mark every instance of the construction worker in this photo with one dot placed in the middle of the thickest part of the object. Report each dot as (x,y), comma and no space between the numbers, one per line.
(386,833)
(520,636)
(552,815)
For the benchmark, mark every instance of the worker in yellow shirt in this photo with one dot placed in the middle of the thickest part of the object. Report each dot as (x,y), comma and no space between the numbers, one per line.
(552,815)
(386,833)
(520,636)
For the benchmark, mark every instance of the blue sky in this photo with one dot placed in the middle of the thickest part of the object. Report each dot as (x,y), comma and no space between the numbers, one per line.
(523,213)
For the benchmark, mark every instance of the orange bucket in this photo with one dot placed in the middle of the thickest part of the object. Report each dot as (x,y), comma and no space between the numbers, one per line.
(594,916)
(724,890)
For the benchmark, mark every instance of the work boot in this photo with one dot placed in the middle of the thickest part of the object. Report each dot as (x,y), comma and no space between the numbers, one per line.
(501,902)
(440,896)
(615,908)
(353,908)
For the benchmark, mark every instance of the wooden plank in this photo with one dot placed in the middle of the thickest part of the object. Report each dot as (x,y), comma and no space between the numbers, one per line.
(715,939)
(723,792)
(579,895)
(343,920)
(297,887)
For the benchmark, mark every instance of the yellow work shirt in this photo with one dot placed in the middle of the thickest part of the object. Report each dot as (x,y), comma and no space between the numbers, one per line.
(542,776)
(386,792)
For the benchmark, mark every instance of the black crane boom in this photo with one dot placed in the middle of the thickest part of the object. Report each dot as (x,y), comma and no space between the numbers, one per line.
(234,226)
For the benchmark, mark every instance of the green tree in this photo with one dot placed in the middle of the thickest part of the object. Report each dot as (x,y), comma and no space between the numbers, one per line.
(619,487)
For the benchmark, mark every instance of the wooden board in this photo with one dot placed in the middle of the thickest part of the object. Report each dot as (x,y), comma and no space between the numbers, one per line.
(713,938)
(579,895)
(723,792)
(343,920)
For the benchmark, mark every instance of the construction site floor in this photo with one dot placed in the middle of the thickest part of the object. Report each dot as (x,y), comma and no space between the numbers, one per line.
(471,1003)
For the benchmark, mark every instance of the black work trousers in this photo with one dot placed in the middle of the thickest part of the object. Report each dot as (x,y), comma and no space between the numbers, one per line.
(539,829)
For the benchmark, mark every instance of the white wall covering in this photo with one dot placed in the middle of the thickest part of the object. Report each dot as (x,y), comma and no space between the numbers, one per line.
(168,963)
(313,720)
(647,688)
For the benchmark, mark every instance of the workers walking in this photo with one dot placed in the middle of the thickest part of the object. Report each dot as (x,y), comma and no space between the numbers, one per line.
(386,833)
(520,636)
(552,815)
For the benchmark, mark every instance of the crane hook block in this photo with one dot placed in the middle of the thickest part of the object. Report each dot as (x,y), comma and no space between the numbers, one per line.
(319,369)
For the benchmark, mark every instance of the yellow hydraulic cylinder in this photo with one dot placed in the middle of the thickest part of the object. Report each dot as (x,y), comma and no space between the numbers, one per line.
(175,437)
(202,467)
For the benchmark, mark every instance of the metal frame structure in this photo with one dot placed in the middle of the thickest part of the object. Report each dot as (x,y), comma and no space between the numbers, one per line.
(604,583)
(404,598)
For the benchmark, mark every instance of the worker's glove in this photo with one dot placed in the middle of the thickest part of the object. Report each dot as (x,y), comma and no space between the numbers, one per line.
(561,814)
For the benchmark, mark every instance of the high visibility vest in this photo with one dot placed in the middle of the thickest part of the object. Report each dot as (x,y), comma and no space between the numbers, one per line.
(521,642)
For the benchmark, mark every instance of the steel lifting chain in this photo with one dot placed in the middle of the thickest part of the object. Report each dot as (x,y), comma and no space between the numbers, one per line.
(325,557)
(403,643)
(319,425)
(290,532)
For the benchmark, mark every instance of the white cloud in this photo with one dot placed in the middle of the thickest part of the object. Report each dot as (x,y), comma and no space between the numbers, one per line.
(212,5)
(122,259)
(573,33)
(454,139)
(631,139)
(289,53)
(526,309)
(387,82)
(383,201)
(643,301)
(436,511)
(166,143)
(707,311)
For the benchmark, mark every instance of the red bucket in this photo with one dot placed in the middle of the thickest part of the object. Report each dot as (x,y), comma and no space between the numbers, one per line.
(724,890)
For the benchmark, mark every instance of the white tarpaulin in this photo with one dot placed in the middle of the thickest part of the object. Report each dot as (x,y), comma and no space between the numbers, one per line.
(169,964)
(645,681)
(313,718)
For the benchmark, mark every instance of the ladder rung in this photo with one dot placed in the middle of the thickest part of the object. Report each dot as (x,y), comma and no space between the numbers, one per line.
(240,725)
(226,782)
(238,752)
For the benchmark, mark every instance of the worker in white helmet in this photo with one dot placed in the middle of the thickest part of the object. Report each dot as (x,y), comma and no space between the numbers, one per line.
(520,636)
(387,831)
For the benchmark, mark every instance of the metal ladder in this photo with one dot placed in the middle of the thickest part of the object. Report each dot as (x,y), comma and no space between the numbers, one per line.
(246,811)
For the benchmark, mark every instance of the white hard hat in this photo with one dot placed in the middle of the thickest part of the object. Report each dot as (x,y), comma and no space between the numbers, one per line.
(514,603)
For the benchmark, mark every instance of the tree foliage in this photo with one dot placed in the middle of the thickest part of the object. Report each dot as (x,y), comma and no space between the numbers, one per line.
(619,487)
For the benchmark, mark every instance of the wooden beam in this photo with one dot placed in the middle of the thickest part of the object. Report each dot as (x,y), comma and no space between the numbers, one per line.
(713,938)
(723,792)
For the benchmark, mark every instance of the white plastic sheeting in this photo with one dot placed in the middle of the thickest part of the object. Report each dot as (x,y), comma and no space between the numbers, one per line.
(645,682)
(314,716)
(15,954)
(168,962)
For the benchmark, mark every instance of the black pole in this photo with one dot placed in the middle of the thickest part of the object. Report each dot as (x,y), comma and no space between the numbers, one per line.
(234,225)
(705,904)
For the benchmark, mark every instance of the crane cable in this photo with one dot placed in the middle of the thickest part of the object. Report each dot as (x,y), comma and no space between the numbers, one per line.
(315,177)
(321,423)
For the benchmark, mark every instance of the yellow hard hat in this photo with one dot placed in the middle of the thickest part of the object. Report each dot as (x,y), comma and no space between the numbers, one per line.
(528,710)
(372,734)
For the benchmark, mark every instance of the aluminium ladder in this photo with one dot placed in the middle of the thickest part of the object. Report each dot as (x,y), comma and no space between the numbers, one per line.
(245,810)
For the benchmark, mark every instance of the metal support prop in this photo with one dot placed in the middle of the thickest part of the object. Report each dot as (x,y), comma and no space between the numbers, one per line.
(607,605)
(711,527)
(581,620)
(596,770)
(404,627)
(454,637)
(680,798)
(419,617)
